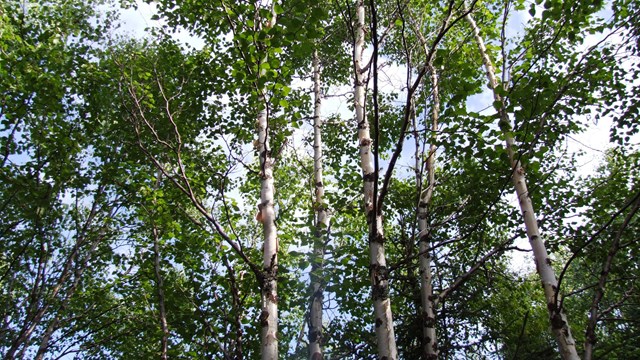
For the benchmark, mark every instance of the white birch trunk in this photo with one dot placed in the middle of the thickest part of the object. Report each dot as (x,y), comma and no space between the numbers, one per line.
(430,349)
(558,319)
(321,224)
(266,214)
(378,266)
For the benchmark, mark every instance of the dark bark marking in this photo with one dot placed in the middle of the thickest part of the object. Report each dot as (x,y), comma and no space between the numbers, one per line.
(365,142)
(264,318)
(314,335)
(557,322)
(379,276)
(369,177)
(380,292)
(428,321)
(370,217)
(377,238)
(273,298)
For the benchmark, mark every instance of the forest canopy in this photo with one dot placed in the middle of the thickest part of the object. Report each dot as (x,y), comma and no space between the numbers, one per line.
(349,179)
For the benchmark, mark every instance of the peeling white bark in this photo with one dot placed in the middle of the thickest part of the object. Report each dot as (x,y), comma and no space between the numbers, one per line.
(430,350)
(269,314)
(558,319)
(321,224)
(269,294)
(378,267)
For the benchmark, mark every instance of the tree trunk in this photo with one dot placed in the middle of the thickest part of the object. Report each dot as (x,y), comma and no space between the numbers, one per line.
(158,274)
(321,224)
(266,215)
(558,319)
(44,344)
(161,299)
(378,267)
(237,303)
(430,349)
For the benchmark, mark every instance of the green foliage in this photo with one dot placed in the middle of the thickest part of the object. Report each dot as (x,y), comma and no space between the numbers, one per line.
(605,198)
(128,177)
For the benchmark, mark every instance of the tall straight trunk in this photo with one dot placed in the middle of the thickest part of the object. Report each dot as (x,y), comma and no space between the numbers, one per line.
(161,298)
(266,215)
(557,317)
(321,224)
(430,347)
(237,303)
(378,266)
(158,275)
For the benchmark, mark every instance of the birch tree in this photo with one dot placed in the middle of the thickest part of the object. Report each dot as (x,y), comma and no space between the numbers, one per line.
(321,223)
(139,211)
(378,265)
(557,316)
